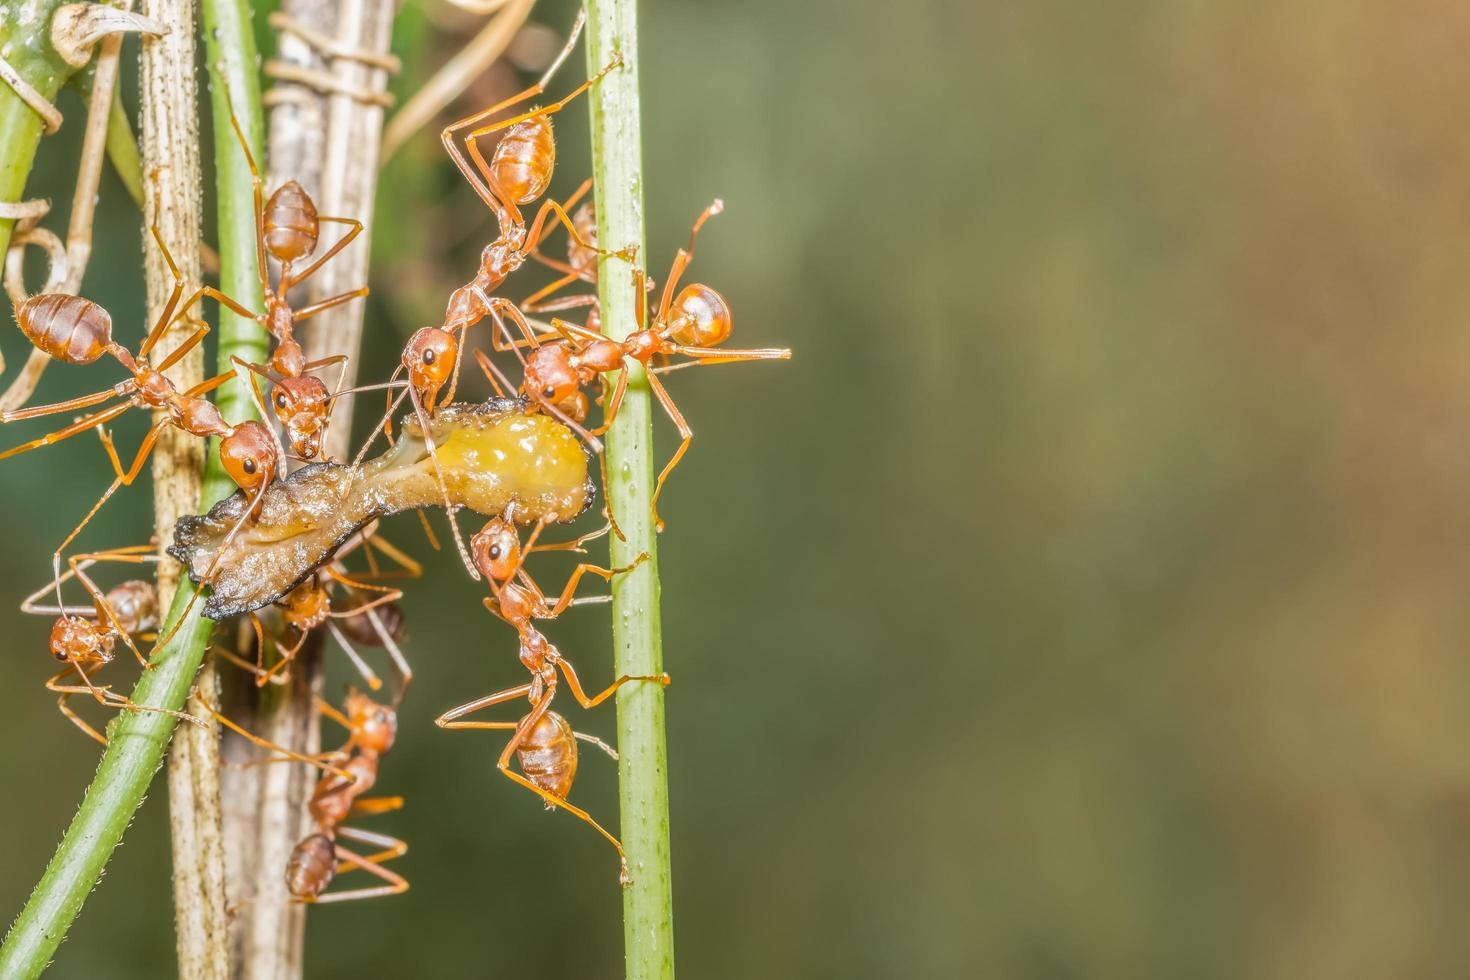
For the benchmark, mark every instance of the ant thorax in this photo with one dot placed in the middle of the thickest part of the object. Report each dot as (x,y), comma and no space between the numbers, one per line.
(151,389)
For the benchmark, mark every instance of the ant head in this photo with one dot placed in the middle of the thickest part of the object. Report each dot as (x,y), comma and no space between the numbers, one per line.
(249,455)
(700,317)
(374,725)
(308,605)
(74,638)
(291,224)
(550,376)
(301,405)
(497,550)
(429,360)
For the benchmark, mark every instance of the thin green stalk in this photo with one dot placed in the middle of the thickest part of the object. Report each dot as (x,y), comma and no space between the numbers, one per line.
(25,37)
(135,746)
(136,741)
(648,925)
(229,51)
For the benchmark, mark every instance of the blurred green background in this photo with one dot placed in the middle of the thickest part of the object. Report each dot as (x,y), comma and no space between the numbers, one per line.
(1085,599)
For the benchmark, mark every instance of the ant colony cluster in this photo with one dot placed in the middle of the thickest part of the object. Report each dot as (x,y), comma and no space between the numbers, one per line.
(522,459)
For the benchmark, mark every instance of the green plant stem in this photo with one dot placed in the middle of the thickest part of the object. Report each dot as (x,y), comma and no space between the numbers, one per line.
(648,927)
(26,40)
(229,51)
(136,741)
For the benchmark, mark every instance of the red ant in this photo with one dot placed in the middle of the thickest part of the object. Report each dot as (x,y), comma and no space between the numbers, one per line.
(288,227)
(691,324)
(317,860)
(78,331)
(310,605)
(428,360)
(544,742)
(518,172)
(83,637)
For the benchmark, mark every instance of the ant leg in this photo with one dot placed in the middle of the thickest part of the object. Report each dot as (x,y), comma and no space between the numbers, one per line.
(374,682)
(397,884)
(122,480)
(535,238)
(684,431)
(683,257)
(369,806)
(449,719)
(594,740)
(273,747)
(552,207)
(288,656)
(54,685)
(307,312)
(423,418)
(177,354)
(70,405)
(386,420)
(30,604)
(553,801)
(716,355)
(391,846)
(498,380)
(239,661)
(82,425)
(166,317)
(576,686)
(546,110)
(354,228)
(582,568)
(257,181)
(610,411)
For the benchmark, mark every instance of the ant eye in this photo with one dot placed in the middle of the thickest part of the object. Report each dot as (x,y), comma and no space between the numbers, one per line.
(248,466)
(494,552)
(280,399)
(548,392)
(428,357)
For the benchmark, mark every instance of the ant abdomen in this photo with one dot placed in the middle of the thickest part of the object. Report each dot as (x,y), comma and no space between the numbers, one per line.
(69,328)
(134,606)
(312,866)
(548,756)
(359,628)
(524,159)
(700,316)
(291,224)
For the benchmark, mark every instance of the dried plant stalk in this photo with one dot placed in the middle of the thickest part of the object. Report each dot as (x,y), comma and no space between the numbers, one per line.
(170,130)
